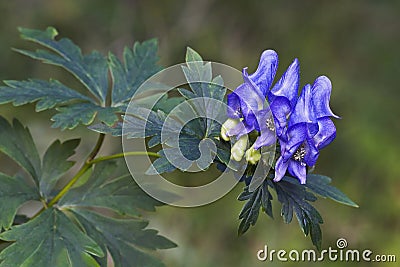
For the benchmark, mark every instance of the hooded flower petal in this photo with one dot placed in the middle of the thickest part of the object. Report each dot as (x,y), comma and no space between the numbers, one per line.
(280,169)
(288,85)
(326,133)
(311,152)
(244,102)
(265,73)
(280,108)
(303,111)
(321,93)
(298,170)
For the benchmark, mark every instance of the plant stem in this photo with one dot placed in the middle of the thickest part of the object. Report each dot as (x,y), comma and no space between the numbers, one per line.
(120,155)
(96,148)
(74,179)
(91,160)
(65,189)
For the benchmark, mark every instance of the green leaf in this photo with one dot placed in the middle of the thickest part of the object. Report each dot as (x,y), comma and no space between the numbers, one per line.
(140,63)
(120,194)
(319,184)
(114,130)
(17,143)
(91,70)
(194,134)
(199,76)
(14,192)
(192,55)
(127,240)
(83,113)
(48,94)
(295,200)
(55,164)
(160,165)
(51,239)
(259,198)
(166,104)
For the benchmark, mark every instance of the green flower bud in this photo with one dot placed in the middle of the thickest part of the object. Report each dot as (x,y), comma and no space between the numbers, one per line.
(228,124)
(239,148)
(253,155)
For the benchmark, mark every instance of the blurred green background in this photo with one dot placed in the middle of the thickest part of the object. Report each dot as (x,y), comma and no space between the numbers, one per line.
(355,43)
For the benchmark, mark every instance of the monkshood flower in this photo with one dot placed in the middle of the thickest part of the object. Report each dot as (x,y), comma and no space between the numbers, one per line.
(247,109)
(309,130)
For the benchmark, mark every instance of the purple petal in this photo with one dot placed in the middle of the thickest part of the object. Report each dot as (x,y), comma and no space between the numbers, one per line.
(303,109)
(288,84)
(266,71)
(296,135)
(280,169)
(298,170)
(266,138)
(326,133)
(244,101)
(234,110)
(240,129)
(280,108)
(321,91)
(312,153)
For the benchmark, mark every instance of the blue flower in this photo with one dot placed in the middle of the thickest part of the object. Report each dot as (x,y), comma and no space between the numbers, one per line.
(309,130)
(247,102)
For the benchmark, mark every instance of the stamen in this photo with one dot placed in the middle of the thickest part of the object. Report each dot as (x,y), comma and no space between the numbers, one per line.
(300,153)
(238,111)
(270,124)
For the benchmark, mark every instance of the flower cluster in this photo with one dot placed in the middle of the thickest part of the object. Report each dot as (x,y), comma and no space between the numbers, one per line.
(301,125)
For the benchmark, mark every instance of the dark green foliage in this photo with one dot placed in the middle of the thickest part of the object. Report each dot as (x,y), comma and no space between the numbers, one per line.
(77,226)
(51,239)
(295,199)
(56,237)
(91,70)
(13,193)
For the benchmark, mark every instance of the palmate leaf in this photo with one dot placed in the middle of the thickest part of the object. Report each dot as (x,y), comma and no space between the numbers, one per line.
(51,239)
(261,197)
(140,63)
(91,70)
(13,193)
(17,143)
(295,199)
(70,233)
(55,164)
(319,184)
(143,122)
(126,238)
(129,244)
(120,194)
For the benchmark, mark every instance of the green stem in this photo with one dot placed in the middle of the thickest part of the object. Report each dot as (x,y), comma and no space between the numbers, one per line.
(120,155)
(74,179)
(96,148)
(66,188)
(88,164)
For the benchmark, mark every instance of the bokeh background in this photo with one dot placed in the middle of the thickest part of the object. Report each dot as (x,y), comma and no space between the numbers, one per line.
(355,43)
